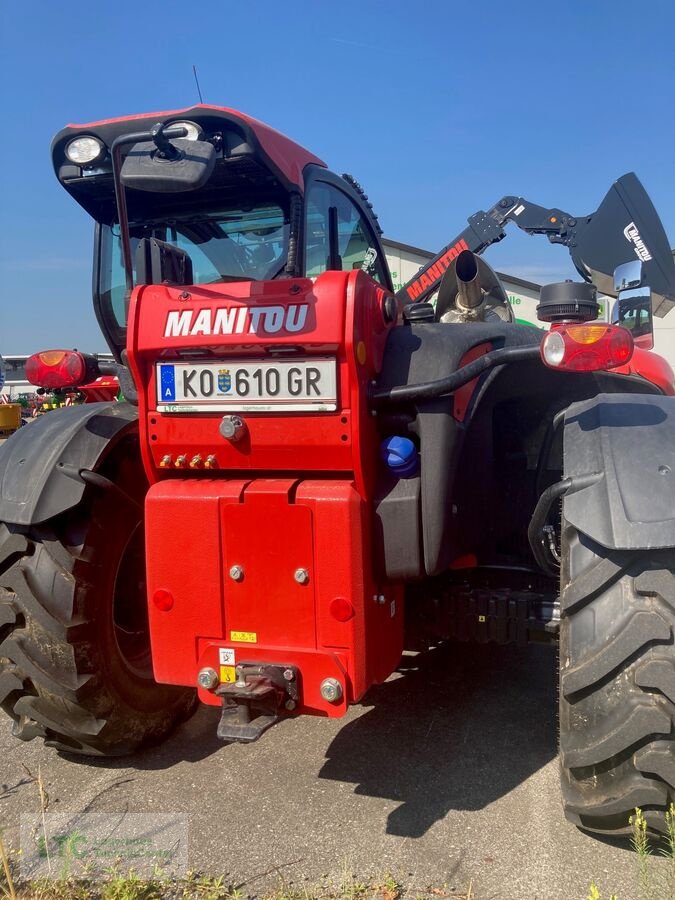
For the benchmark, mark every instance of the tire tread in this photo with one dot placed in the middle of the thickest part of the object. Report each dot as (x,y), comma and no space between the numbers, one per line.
(617,684)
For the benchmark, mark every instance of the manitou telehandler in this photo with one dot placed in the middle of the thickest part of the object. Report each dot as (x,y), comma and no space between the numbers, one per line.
(311,473)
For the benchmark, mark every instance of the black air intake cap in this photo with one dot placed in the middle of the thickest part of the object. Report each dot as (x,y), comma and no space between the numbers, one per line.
(419,312)
(568,301)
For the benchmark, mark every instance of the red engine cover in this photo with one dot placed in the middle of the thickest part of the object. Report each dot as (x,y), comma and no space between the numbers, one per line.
(295,494)
(197,531)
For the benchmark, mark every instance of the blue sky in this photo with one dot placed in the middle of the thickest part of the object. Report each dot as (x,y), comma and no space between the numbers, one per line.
(437,108)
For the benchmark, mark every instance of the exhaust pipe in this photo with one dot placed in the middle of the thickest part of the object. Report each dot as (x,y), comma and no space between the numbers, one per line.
(469,293)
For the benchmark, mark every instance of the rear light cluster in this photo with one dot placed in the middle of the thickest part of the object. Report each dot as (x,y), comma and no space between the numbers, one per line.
(586,348)
(57,368)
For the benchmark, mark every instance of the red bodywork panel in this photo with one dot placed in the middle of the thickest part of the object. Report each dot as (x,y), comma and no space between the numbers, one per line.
(652,367)
(270,528)
(342,310)
(105,387)
(296,493)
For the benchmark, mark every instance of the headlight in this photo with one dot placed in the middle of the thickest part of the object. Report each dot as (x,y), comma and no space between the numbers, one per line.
(194,132)
(83,151)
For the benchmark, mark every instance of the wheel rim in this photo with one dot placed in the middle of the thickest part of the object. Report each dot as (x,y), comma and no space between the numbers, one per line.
(130,610)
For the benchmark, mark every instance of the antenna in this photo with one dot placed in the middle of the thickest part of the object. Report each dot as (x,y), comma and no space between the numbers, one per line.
(199,90)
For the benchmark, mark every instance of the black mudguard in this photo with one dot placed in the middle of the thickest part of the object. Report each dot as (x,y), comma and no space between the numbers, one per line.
(38,462)
(628,442)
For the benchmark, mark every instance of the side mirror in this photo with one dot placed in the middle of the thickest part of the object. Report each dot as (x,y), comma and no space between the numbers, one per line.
(629,275)
(633,307)
(189,168)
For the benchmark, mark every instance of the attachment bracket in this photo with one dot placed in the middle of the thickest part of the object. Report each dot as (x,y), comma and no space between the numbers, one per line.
(253,703)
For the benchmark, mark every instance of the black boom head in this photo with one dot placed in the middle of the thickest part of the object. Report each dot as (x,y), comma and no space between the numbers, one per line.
(626,226)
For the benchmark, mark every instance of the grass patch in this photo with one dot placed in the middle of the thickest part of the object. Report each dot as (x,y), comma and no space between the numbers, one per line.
(195,886)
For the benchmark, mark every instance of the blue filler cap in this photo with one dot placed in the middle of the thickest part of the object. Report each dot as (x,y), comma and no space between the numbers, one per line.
(400,455)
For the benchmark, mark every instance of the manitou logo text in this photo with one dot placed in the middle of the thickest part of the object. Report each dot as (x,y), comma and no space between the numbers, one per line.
(236,320)
(633,235)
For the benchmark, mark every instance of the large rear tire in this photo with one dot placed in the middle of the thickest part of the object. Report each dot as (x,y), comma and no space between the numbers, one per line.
(75,666)
(617,684)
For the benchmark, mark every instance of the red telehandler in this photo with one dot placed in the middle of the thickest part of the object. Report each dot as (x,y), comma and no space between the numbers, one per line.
(310,473)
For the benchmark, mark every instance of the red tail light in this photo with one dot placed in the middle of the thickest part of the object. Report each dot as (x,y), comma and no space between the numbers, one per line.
(56,368)
(586,348)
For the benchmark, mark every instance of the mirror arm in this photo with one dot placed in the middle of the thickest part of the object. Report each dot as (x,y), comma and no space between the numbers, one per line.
(122,214)
(157,134)
(165,148)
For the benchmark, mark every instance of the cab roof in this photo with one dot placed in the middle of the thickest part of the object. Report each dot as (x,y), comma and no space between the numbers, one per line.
(241,141)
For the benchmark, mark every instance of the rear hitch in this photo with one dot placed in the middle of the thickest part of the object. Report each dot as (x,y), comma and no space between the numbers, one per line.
(254,702)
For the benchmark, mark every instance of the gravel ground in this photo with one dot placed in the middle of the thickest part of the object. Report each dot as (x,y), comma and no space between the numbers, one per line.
(445,775)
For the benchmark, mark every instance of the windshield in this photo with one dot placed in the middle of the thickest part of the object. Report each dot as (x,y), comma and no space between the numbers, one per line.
(230,245)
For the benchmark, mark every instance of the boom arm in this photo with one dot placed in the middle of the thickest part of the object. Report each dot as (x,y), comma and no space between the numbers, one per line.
(485,229)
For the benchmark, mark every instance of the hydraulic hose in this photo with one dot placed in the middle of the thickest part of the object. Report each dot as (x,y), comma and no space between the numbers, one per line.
(552,493)
(535,530)
(429,390)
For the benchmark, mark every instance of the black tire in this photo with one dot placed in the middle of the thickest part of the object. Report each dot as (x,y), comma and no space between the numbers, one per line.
(74,646)
(617,684)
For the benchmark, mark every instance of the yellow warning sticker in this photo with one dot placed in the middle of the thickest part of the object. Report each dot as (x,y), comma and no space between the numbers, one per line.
(244,637)
(482,618)
(227,674)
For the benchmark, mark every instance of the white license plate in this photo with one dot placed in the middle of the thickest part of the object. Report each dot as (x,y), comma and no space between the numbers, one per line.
(247,385)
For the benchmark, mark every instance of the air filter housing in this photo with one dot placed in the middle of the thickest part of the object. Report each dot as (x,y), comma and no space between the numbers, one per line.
(568,301)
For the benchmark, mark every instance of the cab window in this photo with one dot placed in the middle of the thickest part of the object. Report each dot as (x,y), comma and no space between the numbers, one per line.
(357,247)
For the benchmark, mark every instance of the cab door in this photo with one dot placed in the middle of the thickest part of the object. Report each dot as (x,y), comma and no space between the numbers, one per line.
(339,234)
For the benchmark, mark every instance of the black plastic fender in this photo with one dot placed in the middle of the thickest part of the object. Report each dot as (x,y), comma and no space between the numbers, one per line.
(38,462)
(627,443)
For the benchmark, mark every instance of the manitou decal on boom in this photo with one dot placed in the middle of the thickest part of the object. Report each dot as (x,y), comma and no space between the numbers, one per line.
(434,271)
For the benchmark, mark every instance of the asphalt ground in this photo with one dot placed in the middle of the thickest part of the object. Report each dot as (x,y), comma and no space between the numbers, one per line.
(444,776)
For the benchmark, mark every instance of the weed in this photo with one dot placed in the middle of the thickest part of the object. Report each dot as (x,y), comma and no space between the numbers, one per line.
(651,888)
(388,888)
(7,882)
(669,851)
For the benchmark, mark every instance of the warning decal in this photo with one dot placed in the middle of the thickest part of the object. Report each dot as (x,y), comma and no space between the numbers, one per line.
(226,656)
(228,674)
(244,637)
